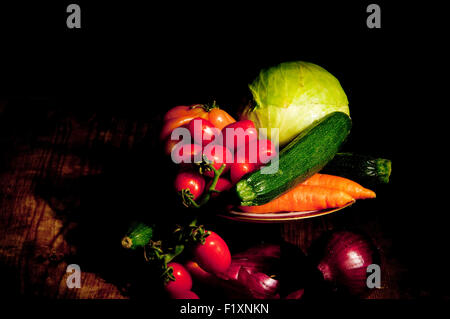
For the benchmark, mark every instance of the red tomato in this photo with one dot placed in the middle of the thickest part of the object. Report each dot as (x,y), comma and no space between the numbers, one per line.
(183,280)
(185,294)
(238,170)
(213,256)
(191,180)
(219,118)
(240,167)
(219,155)
(186,153)
(258,151)
(222,185)
(243,132)
(203,131)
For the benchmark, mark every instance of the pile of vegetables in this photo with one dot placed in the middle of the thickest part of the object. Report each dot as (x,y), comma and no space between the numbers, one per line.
(161,248)
(207,164)
(288,160)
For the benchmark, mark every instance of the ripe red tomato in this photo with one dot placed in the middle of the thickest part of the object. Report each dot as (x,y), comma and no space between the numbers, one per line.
(219,155)
(241,133)
(240,167)
(192,181)
(222,185)
(238,170)
(186,153)
(183,294)
(203,131)
(213,256)
(257,151)
(183,280)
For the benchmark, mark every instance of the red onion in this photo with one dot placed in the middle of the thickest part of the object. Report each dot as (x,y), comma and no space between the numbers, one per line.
(258,284)
(346,258)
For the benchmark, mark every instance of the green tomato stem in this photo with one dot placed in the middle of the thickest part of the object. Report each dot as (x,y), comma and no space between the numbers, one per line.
(211,189)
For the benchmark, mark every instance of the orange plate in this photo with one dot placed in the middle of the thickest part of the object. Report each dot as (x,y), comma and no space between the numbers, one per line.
(278,217)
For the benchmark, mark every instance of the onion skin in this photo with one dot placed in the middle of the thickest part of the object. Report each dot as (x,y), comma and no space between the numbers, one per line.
(345,260)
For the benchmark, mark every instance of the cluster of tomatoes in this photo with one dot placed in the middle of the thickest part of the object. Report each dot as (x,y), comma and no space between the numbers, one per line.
(210,258)
(207,127)
(208,130)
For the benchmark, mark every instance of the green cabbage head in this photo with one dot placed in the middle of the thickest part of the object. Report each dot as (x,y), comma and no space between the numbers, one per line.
(291,96)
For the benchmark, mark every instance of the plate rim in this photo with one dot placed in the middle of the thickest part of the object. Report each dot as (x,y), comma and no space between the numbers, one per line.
(289,216)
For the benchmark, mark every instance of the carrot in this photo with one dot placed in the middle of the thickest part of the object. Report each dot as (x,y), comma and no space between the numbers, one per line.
(303,198)
(350,187)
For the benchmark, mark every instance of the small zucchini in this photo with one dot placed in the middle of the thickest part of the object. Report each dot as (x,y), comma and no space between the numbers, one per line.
(362,169)
(139,235)
(307,154)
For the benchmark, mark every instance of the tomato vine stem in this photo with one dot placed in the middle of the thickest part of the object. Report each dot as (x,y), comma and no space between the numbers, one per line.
(189,201)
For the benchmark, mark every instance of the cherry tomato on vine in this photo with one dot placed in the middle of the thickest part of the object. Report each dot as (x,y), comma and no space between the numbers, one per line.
(241,132)
(213,256)
(222,185)
(203,131)
(192,181)
(183,280)
(219,155)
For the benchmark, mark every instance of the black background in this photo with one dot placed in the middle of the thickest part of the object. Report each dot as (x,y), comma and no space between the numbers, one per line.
(138,60)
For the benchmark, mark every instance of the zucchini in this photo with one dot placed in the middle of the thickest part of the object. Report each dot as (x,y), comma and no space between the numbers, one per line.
(139,235)
(304,156)
(362,169)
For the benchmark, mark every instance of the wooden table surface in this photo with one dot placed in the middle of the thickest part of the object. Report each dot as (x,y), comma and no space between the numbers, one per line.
(43,160)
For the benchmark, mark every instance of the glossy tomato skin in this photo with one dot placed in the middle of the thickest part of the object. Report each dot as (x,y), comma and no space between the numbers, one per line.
(238,170)
(240,167)
(222,185)
(213,256)
(246,127)
(192,181)
(202,131)
(183,280)
(219,118)
(219,155)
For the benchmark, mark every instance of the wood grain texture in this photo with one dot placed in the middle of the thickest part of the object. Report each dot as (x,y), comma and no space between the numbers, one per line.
(33,249)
